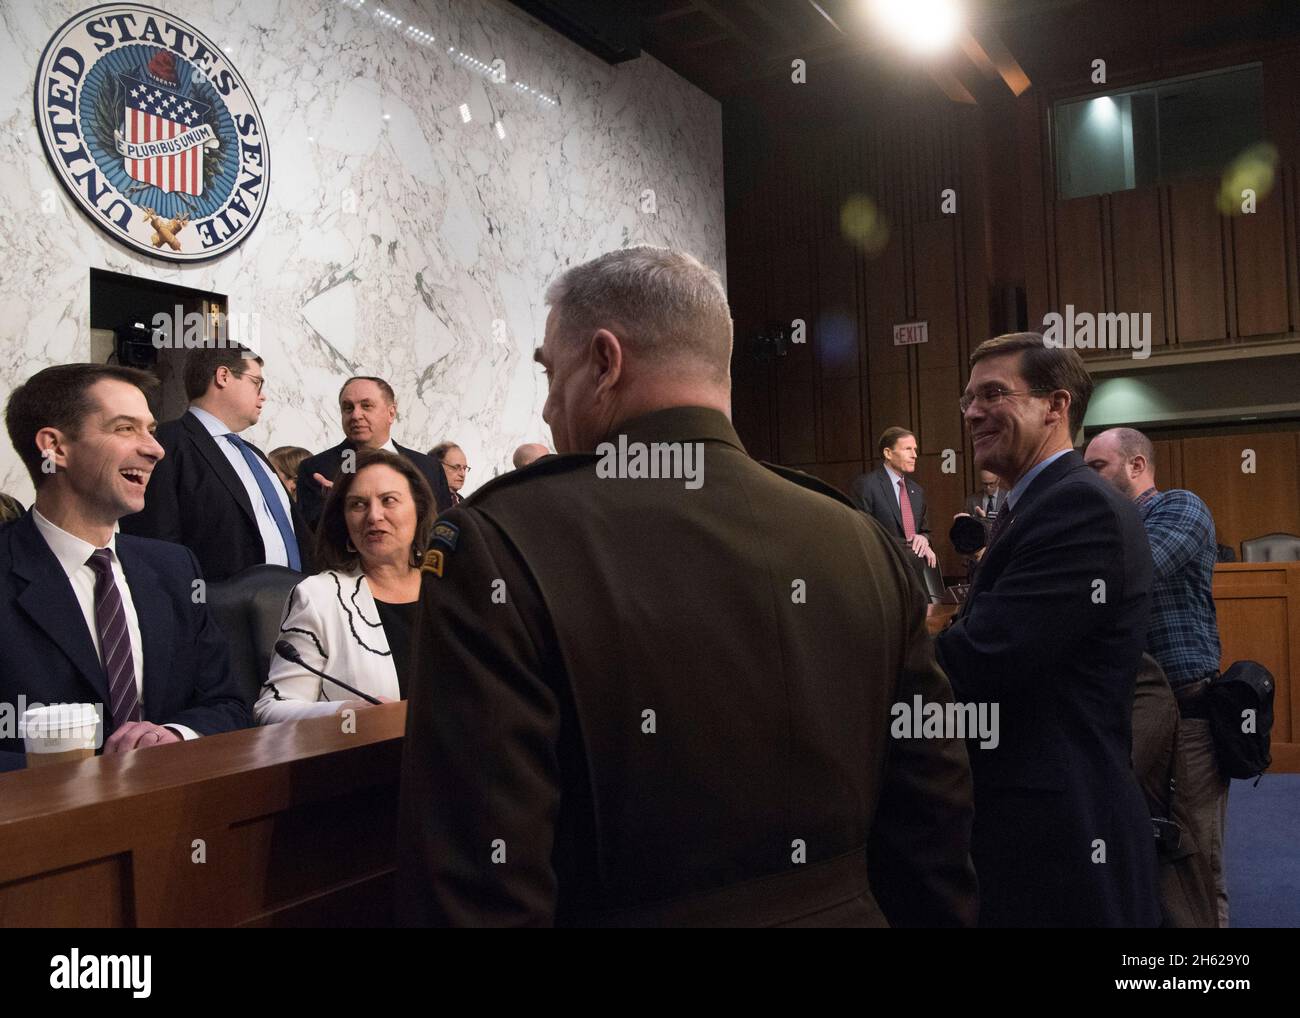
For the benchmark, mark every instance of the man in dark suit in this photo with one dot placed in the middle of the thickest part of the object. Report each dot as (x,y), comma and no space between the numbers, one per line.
(90,616)
(215,492)
(891,495)
(369,407)
(1053,631)
(674,709)
(988,501)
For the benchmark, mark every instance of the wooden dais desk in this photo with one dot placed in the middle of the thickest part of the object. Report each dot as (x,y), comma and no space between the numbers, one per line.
(1258,604)
(294,824)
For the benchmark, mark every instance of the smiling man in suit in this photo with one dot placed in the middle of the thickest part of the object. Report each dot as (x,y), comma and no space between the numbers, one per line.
(215,492)
(368,407)
(891,495)
(1053,631)
(90,616)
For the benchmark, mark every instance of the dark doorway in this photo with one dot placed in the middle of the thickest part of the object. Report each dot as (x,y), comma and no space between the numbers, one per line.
(124,314)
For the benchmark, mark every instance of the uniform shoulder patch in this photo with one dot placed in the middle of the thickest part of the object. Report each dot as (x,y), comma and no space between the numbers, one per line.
(446,534)
(433,562)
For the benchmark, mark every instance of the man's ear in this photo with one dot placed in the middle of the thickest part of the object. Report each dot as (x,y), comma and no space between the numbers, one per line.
(605,359)
(1059,405)
(52,447)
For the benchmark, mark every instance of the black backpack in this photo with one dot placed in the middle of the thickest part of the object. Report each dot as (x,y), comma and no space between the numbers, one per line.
(1240,703)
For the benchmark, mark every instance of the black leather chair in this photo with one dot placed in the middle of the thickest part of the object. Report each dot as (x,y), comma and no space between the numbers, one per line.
(933,580)
(1271,548)
(249,607)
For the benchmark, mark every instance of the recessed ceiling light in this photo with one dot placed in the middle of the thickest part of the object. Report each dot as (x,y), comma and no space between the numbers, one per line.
(922,26)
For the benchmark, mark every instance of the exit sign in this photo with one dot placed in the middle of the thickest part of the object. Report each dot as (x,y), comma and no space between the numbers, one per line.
(911,333)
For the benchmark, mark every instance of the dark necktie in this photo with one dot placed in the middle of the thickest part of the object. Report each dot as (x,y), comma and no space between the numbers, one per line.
(114,641)
(272,499)
(999,524)
(905,507)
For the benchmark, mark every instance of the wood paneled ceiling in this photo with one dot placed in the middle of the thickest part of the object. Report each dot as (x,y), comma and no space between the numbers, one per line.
(728,46)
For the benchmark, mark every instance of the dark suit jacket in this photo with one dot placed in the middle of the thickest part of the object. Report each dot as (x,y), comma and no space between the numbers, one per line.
(977,499)
(311,497)
(875,495)
(1059,653)
(195,498)
(49,654)
(527,724)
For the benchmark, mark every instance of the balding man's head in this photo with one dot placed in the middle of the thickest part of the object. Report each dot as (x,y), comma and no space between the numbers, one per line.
(1125,458)
(529,452)
(630,332)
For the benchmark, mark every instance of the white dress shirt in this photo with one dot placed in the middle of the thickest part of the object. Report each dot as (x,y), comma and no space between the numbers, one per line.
(73,554)
(894,478)
(272,540)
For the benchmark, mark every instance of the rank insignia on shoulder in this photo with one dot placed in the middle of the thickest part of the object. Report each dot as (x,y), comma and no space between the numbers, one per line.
(432,562)
(447,534)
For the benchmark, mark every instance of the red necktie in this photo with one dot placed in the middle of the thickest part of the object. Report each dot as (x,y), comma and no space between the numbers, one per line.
(905,506)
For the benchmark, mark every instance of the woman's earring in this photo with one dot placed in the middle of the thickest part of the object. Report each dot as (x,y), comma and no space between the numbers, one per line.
(351,550)
(417,556)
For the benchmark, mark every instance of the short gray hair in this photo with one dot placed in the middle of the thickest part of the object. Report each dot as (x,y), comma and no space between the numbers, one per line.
(664,305)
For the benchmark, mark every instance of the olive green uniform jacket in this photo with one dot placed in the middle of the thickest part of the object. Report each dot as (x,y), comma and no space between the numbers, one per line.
(656,701)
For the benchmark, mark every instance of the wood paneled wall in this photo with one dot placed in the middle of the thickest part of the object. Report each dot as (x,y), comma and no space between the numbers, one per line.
(822,405)
(1205,278)
(795,154)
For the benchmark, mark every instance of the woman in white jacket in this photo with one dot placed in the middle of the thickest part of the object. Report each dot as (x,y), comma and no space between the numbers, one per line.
(355,618)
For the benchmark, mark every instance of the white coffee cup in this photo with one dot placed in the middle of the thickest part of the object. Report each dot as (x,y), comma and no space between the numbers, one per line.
(60,732)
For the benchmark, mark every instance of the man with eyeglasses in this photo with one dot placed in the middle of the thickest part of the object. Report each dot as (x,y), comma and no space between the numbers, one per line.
(213,491)
(1053,631)
(455,465)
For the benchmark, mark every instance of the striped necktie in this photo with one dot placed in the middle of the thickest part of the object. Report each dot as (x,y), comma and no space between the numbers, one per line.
(114,641)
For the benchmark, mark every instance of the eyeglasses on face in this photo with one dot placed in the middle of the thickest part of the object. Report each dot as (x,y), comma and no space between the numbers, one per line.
(454,468)
(257,380)
(992,395)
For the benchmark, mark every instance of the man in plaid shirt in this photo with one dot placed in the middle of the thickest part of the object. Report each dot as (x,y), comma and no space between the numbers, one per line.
(1183,634)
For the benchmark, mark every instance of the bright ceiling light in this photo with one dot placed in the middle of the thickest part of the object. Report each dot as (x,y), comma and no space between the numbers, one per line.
(922,26)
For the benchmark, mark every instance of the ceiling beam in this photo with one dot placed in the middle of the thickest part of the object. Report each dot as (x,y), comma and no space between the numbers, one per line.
(672,14)
(822,11)
(713,11)
(710,39)
(1007,65)
(975,52)
(951,86)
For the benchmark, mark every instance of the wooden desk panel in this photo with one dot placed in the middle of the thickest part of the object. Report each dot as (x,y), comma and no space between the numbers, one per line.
(296,824)
(1258,604)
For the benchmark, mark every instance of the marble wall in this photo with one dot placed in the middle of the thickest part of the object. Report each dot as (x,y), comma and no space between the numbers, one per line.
(399,239)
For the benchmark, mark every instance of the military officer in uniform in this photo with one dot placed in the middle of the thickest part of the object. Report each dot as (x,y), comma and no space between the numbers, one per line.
(654,677)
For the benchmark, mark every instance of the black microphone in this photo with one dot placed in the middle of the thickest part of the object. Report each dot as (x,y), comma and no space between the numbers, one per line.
(290,653)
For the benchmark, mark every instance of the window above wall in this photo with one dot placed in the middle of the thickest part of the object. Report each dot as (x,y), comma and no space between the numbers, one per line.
(1184,127)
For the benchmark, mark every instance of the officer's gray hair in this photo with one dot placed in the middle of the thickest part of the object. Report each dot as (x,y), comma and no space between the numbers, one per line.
(664,306)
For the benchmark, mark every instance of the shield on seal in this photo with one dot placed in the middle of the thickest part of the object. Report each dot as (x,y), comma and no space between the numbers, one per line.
(163,134)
